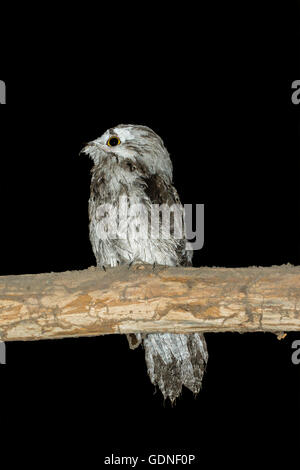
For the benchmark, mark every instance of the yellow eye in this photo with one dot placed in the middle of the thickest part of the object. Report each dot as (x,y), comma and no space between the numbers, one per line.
(113,141)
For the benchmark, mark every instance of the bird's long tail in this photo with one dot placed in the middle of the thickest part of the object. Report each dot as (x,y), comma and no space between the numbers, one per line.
(174,360)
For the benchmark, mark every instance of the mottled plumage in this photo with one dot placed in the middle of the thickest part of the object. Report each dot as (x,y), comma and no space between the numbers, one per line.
(137,167)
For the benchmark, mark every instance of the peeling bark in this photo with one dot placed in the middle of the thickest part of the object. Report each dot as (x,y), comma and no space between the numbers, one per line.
(141,299)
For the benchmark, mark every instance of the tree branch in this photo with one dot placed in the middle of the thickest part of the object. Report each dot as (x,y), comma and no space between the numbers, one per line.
(142,299)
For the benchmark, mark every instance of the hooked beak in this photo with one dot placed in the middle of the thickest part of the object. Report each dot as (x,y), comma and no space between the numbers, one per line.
(88,147)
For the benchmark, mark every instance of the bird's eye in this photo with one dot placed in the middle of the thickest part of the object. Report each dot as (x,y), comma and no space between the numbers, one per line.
(113,141)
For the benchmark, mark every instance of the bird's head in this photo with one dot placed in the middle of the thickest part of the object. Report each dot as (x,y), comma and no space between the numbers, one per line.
(132,142)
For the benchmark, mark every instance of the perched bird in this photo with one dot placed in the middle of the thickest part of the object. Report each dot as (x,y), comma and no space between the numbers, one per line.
(131,162)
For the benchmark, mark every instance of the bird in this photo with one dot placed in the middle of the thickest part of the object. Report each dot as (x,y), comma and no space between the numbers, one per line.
(130,161)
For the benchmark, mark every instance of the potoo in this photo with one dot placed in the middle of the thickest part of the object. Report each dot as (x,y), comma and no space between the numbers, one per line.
(131,162)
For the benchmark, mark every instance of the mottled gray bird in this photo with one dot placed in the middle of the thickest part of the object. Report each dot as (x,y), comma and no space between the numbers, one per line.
(131,161)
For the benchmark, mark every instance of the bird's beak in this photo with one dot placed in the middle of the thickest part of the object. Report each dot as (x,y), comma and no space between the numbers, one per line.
(87,148)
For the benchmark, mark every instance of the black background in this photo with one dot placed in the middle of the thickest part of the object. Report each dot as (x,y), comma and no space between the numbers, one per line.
(220,97)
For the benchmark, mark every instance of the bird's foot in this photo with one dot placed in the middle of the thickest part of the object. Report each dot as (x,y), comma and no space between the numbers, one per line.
(137,265)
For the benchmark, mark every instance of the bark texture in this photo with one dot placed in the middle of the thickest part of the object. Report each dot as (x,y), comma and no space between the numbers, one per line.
(142,299)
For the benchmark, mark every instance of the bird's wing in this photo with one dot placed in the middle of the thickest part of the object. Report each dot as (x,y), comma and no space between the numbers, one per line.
(160,192)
